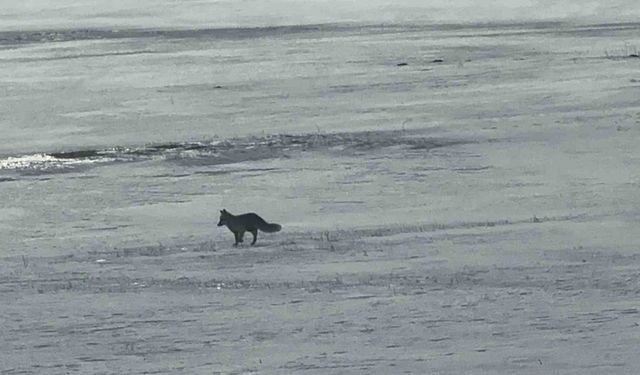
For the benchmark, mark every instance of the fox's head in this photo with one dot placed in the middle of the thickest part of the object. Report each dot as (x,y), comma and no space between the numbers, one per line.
(224,214)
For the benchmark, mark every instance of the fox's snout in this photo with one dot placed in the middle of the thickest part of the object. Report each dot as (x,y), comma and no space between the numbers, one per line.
(222,221)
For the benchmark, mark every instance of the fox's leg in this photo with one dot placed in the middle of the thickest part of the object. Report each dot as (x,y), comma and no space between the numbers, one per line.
(241,236)
(255,236)
(237,237)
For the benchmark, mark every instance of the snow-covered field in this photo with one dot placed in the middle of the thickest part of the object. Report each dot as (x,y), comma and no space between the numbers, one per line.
(455,200)
(45,14)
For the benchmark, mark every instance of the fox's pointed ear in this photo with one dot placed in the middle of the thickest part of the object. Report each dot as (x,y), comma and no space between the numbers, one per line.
(224,210)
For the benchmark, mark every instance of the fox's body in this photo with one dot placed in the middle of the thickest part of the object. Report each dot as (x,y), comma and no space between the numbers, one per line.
(250,222)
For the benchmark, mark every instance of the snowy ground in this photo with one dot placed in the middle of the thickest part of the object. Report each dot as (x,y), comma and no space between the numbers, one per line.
(45,14)
(472,258)
(495,233)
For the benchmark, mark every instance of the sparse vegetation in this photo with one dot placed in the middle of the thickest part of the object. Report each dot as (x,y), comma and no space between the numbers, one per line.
(624,52)
(208,246)
(326,239)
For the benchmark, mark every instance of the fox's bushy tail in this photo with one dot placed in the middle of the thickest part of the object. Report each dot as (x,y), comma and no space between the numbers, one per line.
(270,227)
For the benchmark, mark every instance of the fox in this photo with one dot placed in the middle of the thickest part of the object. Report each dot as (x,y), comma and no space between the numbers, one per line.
(249,222)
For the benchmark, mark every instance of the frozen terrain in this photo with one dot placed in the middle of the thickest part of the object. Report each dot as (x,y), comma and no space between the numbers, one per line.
(45,14)
(455,199)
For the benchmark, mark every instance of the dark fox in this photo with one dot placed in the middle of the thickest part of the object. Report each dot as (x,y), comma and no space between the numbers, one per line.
(251,222)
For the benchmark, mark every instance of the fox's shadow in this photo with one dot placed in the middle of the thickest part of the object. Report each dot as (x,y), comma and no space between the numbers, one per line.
(247,246)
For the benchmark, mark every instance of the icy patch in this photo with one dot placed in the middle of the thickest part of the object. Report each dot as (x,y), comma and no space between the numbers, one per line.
(231,151)
(43,162)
